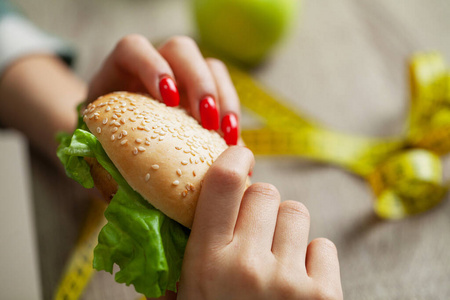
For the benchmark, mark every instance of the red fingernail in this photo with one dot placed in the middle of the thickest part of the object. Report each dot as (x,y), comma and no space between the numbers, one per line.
(230,129)
(169,91)
(209,114)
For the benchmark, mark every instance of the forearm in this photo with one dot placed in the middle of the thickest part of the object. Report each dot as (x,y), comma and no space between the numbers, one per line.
(38,96)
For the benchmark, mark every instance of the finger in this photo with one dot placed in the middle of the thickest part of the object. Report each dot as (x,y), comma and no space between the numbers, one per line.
(228,100)
(291,233)
(220,198)
(133,63)
(257,216)
(322,263)
(194,76)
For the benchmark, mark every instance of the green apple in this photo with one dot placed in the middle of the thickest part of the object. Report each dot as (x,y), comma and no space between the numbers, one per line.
(244,30)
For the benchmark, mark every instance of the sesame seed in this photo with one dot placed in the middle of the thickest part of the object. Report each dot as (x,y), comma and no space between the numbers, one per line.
(123,110)
(184,162)
(147,177)
(135,151)
(192,187)
(117,123)
(115,129)
(147,143)
(184,193)
(202,158)
(99,130)
(113,137)
(209,163)
(176,182)
(123,142)
(108,108)
(187,186)
(154,136)
(120,136)
(130,108)
(193,173)
(186,150)
(178,147)
(132,119)
(140,127)
(105,120)
(161,138)
(124,132)
(102,104)
(96,117)
(138,141)
(122,121)
(155,167)
(115,117)
(141,149)
(179,172)
(112,122)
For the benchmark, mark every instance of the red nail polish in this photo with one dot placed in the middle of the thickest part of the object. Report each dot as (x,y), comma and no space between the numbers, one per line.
(169,91)
(230,129)
(209,114)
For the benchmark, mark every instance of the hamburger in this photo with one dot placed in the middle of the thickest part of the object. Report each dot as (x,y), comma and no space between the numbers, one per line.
(149,161)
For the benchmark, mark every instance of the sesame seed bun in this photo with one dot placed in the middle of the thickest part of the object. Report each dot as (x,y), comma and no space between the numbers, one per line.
(161,151)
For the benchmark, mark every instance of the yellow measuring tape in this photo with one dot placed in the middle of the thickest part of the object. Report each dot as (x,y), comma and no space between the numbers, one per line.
(404,172)
(79,269)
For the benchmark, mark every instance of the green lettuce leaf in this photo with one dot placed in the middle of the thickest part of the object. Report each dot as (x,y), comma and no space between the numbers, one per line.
(147,245)
(76,167)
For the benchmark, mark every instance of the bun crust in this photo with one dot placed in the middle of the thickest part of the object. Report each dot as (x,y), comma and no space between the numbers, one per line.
(161,151)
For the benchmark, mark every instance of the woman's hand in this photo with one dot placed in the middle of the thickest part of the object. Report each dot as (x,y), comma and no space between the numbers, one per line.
(245,244)
(175,73)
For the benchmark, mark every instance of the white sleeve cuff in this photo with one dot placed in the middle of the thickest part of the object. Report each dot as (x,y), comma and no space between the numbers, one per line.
(19,37)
